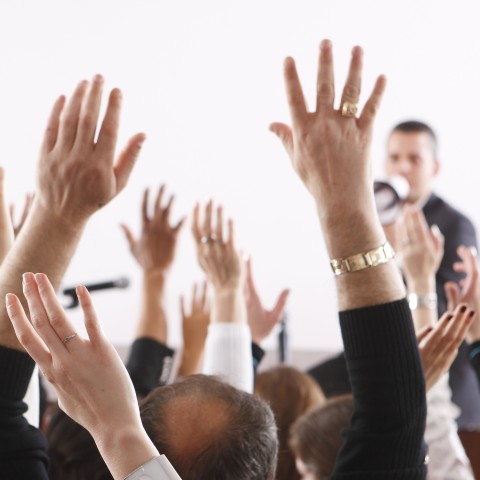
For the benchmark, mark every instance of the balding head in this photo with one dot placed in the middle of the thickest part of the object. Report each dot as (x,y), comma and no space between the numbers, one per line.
(210,430)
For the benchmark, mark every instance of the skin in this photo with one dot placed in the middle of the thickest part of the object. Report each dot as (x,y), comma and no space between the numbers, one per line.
(154,251)
(412,156)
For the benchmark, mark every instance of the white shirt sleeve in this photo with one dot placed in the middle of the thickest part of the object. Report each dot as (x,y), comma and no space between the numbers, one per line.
(228,354)
(158,468)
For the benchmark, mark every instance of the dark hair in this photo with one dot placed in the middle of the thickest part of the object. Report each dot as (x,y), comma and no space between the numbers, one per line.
(72,452)
(290,394)
(211,431)
(415,126)
(316,438)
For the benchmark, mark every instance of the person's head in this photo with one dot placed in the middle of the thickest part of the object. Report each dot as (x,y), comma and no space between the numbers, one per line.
(315,438)
(210,430)
(412,153)
(72,452)
(290,393)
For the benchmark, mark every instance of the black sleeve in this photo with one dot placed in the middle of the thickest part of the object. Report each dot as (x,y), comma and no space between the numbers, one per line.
(257,354)
(22,447)
(149,365)
(474,357)
(385,437)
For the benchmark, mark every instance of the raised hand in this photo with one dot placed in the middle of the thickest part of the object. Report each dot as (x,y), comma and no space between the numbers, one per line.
(439,344)
(469,290)
(6,230)
(421,247)
(77,175)
(92,384)
(261,320)
(216,253)
(155,249)
(194,329)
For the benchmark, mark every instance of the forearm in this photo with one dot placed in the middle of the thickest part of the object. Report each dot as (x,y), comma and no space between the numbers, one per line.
(152,322)
(354,233)
(124,449)
(46,244)
(229,306)
(190,361)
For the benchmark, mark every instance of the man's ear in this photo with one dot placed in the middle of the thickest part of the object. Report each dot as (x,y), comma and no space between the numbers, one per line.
(436,167)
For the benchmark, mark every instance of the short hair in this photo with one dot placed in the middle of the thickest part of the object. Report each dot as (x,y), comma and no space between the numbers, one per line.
(415,126)
(290,394)
(316,438)
(237,431)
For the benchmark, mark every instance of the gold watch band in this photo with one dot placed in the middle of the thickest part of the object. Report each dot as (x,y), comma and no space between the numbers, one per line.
(360,261)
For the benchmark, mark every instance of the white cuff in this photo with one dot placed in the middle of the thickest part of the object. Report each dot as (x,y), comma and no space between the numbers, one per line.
(228,354)
(158,468)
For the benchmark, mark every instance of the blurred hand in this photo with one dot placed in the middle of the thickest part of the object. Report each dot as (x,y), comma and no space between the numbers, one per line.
(421,247)
(469,290)
(155,249)
(194,328)
(216,253)
(6,229)
(17,226)
(76,175)
(438,345)
(261,320)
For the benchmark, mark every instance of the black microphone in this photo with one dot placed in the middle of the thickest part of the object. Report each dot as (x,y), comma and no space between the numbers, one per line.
(122,282)
(283,350)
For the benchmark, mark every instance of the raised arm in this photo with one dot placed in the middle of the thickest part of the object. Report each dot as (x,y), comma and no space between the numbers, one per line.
(228,345)
(329,150)
(76,177)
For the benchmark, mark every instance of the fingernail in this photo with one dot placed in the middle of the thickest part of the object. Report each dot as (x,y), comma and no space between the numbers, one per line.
(39,277)
(472,313)
(449,318)
(325,44)
(9,299)
(27,277)
(463,309)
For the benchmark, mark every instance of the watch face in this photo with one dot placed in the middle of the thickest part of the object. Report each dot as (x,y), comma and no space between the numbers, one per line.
(387,201)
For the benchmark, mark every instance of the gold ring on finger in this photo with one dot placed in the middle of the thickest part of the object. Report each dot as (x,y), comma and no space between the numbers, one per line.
(349,109)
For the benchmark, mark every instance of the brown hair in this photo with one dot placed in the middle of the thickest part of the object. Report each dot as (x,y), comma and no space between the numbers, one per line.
(290,393)
(209,430)
(316,437)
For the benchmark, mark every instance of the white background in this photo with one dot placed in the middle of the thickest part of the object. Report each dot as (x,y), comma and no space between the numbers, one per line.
(203,79)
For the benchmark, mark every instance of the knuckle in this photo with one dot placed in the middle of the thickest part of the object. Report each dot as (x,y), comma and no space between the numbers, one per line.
(37,321)
(351,92)
(325,90)
(56,321)
(88,121)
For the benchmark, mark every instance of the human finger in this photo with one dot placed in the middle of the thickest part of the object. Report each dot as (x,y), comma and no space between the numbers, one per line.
(207,221)
(452,292)
(182,307)
(128,235)
(353,84)
(89,113)
(423,333)
(107,138)
(127,159)
(168,208)
(39,316)
(369,112)
(231,233)
(280,305)
(193,305)
(325,77)
(284,133)
(437,238)
(145,217)
(295,98)
(69,120)
(179,225)
(55,313)
(25,332)
(158,201)
(90,318)
(53,124)
(219,226)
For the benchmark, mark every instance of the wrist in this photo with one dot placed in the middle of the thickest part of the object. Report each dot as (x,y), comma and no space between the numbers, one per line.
(229,306)
(421,285)
(60,224)
(154,280)
(124,448)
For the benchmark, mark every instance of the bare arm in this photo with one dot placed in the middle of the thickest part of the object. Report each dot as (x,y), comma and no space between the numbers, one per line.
(75,178)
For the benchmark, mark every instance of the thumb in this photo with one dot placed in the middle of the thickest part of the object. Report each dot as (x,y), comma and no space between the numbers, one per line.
(452,293)
(128,235)
(284,133)
(280,305)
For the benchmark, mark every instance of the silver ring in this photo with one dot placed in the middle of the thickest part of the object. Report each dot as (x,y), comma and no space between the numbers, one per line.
(69,338)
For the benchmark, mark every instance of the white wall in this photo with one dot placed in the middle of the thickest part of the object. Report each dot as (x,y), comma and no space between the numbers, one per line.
(203,80)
